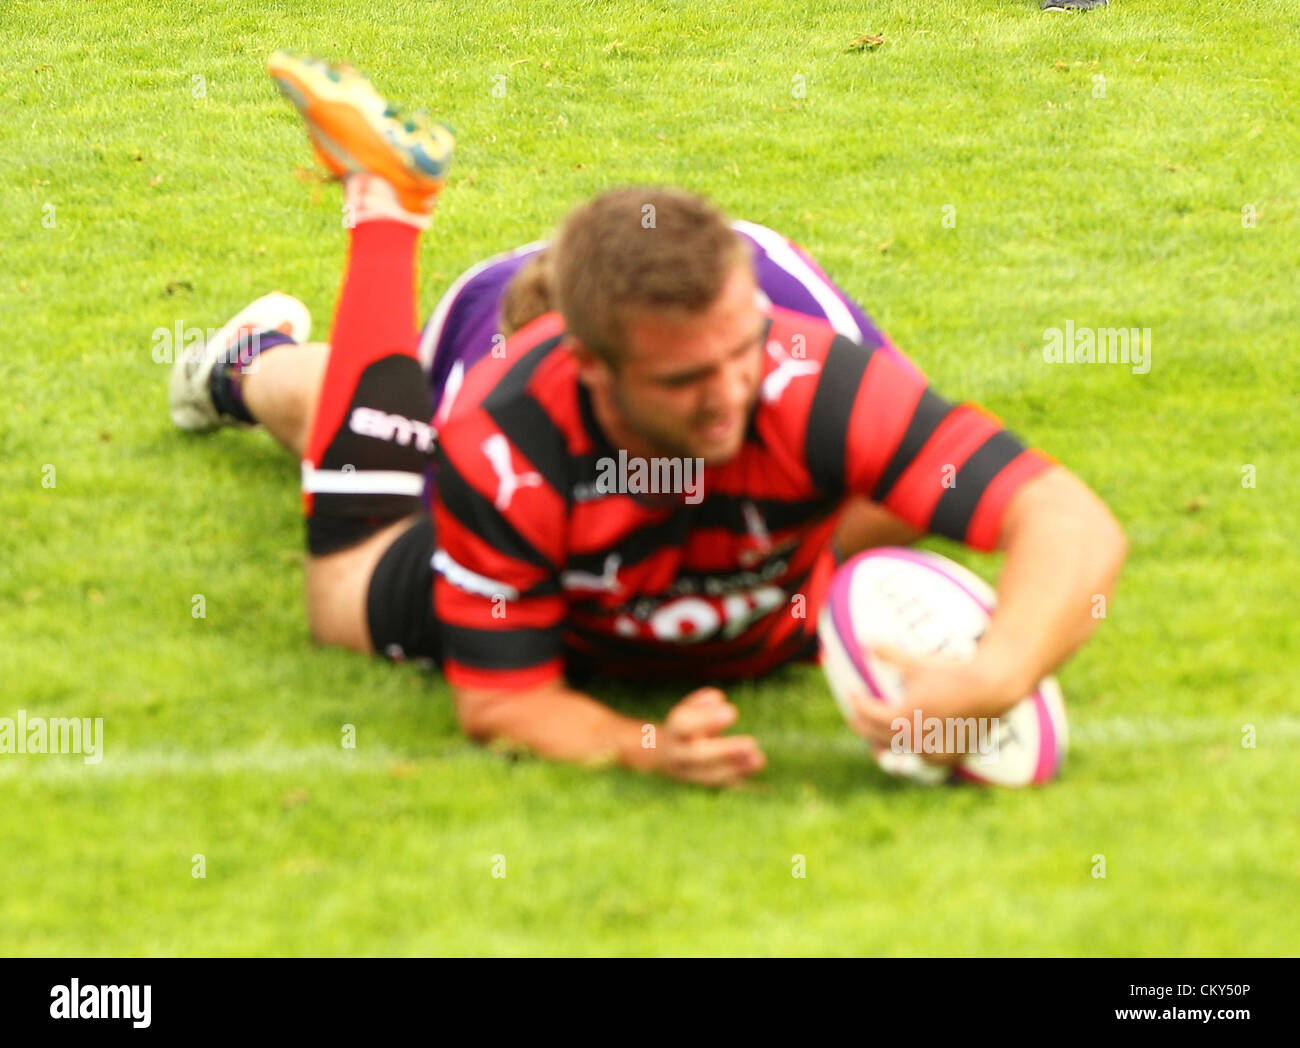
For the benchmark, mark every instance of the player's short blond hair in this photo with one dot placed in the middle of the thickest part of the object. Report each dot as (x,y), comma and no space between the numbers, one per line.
(622,252)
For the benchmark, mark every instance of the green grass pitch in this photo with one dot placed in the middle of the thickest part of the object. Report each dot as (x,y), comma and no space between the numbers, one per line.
(1129,168)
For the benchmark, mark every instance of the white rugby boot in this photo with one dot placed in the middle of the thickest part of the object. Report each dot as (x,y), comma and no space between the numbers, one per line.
(189,400)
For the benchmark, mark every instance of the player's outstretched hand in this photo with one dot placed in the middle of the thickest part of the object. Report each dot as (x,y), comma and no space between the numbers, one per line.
(692,748)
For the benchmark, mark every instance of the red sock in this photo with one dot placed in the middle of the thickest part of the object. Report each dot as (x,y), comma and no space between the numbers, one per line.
(375,317)
(370,441)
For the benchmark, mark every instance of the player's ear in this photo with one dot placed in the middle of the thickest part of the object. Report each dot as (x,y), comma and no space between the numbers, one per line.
(593,371)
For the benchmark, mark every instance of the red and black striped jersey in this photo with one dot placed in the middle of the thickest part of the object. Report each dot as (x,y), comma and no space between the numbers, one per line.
(539,563)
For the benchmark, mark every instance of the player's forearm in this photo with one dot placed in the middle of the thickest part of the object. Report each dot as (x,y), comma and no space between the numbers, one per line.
(1064,552)
(557,723)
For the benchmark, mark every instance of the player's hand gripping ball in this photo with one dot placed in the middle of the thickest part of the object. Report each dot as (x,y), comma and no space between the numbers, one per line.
(920,603)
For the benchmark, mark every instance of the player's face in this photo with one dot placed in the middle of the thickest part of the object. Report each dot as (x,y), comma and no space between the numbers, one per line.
(687,383)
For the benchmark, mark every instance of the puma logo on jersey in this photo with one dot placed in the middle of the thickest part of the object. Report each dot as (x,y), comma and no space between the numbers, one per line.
(497,450)
(605,582)
(398,429)
(787,370)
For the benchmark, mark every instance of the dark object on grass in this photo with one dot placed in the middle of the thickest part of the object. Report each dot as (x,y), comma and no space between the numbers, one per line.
(1072,5)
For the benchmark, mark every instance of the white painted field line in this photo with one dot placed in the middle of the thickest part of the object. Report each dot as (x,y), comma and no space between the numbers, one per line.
(179,763)
(1110,731)
(150,763)
(1268,728)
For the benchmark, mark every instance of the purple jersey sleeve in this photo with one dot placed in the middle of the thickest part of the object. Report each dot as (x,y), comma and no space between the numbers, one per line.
(791,279)
(468,316)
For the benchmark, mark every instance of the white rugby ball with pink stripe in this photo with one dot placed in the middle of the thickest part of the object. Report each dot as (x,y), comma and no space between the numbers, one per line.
(922,603)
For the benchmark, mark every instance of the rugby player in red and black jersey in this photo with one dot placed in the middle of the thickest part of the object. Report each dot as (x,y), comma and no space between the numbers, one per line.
(644,480)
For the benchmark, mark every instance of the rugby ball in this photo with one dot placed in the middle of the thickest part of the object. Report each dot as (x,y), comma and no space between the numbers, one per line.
(922,603)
